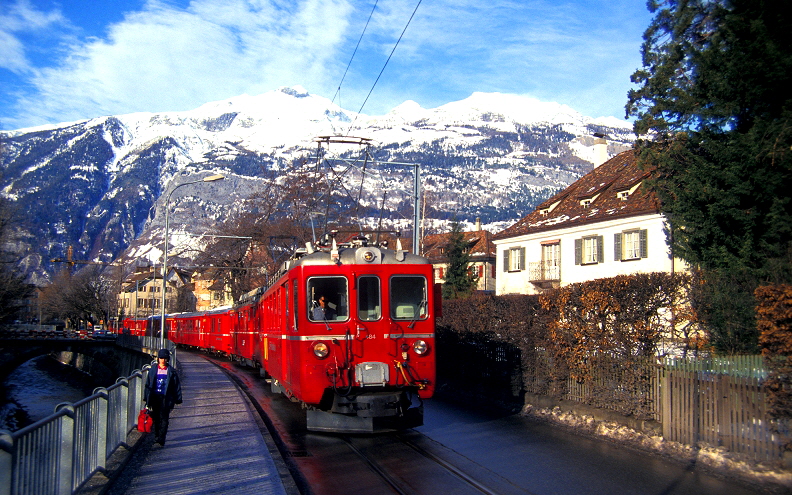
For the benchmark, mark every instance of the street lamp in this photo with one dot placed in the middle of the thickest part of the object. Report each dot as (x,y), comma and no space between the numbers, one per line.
(210,178)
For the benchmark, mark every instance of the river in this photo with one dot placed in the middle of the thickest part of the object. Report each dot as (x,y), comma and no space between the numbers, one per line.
(32,391)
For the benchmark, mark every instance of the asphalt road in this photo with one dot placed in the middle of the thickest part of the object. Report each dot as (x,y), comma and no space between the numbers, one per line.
(505,452)
(547,460)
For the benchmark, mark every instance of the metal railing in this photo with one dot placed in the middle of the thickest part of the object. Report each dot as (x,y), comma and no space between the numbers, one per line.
(57,454)
(539,271)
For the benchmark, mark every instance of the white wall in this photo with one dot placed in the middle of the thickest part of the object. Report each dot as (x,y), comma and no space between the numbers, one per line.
(657,260)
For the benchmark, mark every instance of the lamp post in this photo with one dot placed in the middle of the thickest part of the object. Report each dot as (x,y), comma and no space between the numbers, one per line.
(210,178)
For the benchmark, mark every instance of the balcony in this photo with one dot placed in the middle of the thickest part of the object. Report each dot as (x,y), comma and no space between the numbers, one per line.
(544,272)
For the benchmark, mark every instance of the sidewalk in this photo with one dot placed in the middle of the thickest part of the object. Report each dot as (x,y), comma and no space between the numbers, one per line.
(216,443)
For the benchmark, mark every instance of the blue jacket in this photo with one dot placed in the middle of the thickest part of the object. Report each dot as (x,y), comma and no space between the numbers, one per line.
(173,393)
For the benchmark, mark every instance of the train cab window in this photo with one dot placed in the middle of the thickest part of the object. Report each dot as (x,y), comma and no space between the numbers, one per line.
(408,297)
(368,293)
(328,299)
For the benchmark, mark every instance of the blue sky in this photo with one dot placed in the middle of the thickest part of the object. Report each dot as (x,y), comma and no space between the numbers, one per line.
(70,60)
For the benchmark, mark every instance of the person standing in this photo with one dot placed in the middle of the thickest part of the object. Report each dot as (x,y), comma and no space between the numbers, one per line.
(162,393)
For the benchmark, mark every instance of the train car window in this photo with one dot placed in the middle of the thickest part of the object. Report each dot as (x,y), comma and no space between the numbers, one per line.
(295,295)
(369,303)
(408,297)
(328,299)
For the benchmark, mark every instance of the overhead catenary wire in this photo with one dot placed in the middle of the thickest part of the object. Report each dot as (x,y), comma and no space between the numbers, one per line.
(384,65)
(338,90)
(320,157)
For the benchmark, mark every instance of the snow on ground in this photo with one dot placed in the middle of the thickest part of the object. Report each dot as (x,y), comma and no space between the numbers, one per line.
(771,476)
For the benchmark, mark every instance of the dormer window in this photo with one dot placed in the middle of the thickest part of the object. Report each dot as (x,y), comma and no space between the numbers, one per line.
(625,194)
(546,211)
(586,202)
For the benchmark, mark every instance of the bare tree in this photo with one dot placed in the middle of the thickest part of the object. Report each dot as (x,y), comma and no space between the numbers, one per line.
(274,221)
(87,295)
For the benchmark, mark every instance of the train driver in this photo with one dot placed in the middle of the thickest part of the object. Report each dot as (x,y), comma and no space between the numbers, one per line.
(323,311)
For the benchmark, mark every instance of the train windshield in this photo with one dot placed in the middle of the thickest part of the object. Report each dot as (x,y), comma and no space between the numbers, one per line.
(328,299)
(408,297)
(368,293)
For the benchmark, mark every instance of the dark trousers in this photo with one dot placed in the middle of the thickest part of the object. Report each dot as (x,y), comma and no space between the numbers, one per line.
(161,417)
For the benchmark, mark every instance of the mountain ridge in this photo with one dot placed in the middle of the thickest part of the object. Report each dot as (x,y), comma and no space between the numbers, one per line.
(98,185)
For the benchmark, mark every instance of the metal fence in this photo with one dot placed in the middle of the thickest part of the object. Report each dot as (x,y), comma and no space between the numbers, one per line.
(57,454)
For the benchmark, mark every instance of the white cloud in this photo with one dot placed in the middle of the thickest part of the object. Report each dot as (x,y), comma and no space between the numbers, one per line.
(16,19)
(163,57)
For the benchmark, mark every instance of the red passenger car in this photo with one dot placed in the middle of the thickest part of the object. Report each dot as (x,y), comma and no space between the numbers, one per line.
(348,330)
(352,336)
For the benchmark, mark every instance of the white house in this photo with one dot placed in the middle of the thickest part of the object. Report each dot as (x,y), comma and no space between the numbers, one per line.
(141,293)
(603,225)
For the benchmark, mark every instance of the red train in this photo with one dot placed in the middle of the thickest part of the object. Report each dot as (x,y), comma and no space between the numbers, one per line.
(348,330)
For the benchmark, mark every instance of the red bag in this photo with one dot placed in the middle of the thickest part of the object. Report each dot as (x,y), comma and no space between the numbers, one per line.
(145,423)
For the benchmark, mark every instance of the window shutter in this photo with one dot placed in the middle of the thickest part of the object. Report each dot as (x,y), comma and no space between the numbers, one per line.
(643,239)
(617,249)
(506,253)
(600,250)
(522,258)
(578,251)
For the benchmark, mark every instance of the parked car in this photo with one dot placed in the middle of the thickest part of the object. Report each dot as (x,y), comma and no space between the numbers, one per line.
(99,332)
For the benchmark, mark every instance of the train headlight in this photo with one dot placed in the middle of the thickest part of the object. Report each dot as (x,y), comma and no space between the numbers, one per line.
(321,350)
(369,256)
(420,347)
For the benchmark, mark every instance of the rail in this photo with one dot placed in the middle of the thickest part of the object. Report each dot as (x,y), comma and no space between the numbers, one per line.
(58,454)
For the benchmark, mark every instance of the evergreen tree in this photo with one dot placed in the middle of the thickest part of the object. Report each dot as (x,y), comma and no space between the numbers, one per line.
(13,288)
(714,111)
(459,281)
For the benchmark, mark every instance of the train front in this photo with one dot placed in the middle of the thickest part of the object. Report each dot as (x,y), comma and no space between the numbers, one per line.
(366,334)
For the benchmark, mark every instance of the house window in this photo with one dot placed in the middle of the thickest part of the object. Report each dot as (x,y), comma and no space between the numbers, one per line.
(630,245)
(551,260)
(514,259)
(588,250)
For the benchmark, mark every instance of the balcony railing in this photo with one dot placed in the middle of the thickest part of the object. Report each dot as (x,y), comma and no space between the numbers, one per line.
(544,271)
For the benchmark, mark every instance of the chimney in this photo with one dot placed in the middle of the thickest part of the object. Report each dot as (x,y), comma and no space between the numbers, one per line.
(600,149)
(478,224)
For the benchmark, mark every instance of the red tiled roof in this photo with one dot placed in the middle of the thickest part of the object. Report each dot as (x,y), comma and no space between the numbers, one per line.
(601,185)
(480,242)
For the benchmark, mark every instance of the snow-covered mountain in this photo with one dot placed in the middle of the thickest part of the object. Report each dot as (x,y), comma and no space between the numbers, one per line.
(99,185)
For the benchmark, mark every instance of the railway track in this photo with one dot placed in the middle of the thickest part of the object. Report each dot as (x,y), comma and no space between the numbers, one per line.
(455,480)
(412,464)
(406,463)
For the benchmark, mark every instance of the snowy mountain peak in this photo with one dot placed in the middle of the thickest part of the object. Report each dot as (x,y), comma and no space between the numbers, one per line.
(501,107)
(296,91)
(491,155)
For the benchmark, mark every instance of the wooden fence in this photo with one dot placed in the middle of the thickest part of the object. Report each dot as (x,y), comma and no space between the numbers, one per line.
(717,401)
(720,410)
